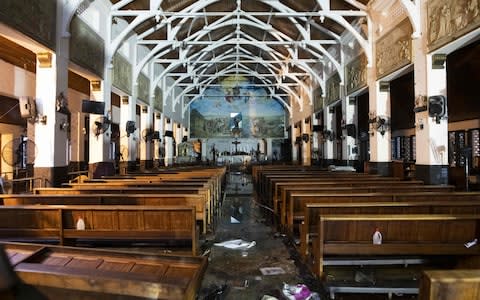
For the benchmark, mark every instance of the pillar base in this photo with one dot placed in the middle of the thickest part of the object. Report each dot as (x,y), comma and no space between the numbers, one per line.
(103,168)
(146,165)
(432,174)
(380,168)
(52,176)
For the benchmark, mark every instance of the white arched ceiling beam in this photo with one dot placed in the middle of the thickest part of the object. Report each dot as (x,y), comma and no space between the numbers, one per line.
(413,12)
(222,58)
(245,68)
(68,12)
(142,16)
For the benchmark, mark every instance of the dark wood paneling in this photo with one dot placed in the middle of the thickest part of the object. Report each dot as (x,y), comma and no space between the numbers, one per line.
(17,55)
(78,83)
(10,111)
(402,102)
(463,77)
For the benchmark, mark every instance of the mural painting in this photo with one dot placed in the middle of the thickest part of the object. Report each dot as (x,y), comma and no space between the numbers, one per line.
(236,108)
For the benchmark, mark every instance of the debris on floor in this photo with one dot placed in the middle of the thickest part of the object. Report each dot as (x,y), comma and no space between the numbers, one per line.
(236,244)
(299,292)
(272,271)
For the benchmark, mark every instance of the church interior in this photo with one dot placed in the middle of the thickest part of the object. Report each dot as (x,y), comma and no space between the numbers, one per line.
(239,149)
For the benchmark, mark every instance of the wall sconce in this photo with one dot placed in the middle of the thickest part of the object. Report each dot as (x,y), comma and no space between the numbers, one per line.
(420,124)
(64,125)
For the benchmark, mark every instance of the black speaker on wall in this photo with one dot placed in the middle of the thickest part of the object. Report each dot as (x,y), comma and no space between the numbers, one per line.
(437,107)
(317,128)
(169,133)
(351,130)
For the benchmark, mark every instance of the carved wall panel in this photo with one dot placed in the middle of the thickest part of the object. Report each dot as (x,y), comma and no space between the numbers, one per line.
(333,89)
(158,102)
(143,87)
(122,73)
(356,74)
(450,19)
(394,49)
(86,47)
(35,18)
(317,100)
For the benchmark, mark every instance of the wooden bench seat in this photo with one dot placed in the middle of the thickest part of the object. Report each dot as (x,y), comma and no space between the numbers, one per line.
(292,210)
(310,223)
(195,200)
(102,222)
(450,285)
(350,187)
(350,237)
(101,274)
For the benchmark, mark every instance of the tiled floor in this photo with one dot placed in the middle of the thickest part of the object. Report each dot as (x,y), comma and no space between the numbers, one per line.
(236,274)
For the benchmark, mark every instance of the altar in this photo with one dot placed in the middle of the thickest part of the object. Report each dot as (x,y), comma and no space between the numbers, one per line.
(234,159)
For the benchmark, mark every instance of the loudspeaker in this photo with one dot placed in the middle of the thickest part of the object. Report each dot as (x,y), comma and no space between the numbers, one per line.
(331,109)
(28,108)
(437,107)
(317,128)
(384,86)
(351,130)
(438,61)
(352,100)
(305,137)
(169,133)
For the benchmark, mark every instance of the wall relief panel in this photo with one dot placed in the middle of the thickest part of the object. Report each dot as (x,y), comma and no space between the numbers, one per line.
(356,73)
(86,47)
(394,49)
(158,101)
(35,18)
(122,73)
(450,19)
(333,89)
(317,100)
(143,87)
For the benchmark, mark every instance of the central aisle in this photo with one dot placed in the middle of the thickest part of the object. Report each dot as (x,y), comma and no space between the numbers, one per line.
(239,270)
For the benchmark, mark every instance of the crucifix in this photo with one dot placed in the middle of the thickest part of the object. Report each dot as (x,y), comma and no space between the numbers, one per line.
(236,142)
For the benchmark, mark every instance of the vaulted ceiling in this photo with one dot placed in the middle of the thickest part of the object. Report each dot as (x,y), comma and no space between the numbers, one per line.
(281,45)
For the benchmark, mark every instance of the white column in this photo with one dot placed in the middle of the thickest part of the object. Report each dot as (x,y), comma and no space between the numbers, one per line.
(168,144)
(145,136)
(306,146)
(204,149)
(128,146)
(380,144)
(269,152)
(157,126)
(50,141)
(350,141)
(328,142)
(294,146)
(99,145)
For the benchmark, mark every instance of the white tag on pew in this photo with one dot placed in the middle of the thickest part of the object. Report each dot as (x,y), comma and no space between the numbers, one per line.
(80,224)
(377,237)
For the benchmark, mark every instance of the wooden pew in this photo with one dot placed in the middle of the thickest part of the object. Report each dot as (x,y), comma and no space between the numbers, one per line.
(348,238)
(104,274)
(195,200)
(273,193)
(450,285)
(311,211)
(267,189)
(285,189)
(293,211)
(102,222)
(213,196)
